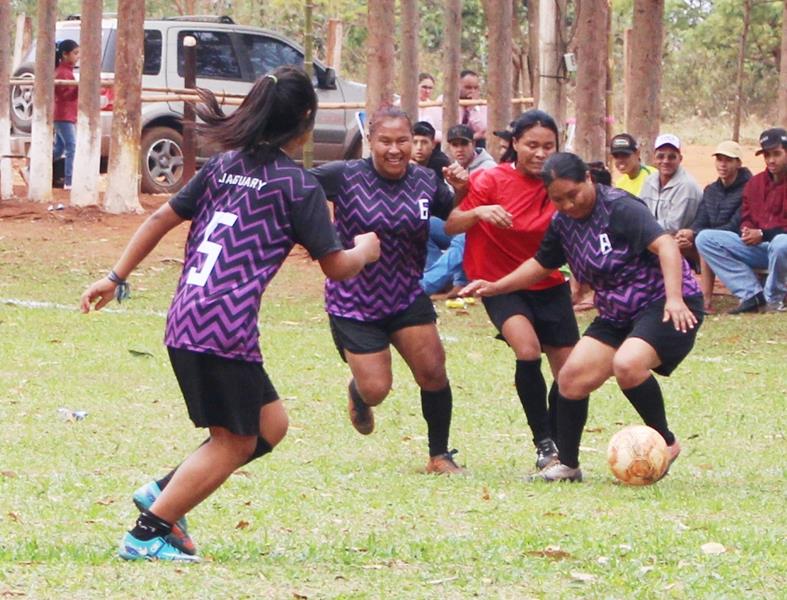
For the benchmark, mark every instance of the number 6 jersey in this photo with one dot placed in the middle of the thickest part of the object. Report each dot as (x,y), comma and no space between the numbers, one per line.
(245,218)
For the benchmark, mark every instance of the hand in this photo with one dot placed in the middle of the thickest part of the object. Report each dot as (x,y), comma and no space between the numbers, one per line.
(102,290)
(478,287)
(456,176)
(494,214)
(680,315)
(685,238)
(751,237)
(369,244)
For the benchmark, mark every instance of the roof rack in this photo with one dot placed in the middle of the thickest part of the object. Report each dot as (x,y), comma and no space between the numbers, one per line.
(203,18)
(78,17)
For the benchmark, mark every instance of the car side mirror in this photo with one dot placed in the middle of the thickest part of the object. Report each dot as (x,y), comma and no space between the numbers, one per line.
(327,79)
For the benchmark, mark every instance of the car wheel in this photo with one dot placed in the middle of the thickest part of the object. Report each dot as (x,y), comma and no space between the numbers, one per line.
(22,103)
(161,155)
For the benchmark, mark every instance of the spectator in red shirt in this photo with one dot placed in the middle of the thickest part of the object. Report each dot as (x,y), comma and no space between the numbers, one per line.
(65,117)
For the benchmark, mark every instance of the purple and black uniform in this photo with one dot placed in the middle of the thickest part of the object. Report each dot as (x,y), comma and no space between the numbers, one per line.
(608,251)
(246,216)
(398,212)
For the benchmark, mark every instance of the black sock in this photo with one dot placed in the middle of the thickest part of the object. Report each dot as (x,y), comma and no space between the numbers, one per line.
(571,418)
(552,409)
(149,526)
(532,391)
(436,408)
(164,481)
(646,398)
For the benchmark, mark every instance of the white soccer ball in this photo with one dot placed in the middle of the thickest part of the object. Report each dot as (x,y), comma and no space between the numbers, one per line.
(638,455)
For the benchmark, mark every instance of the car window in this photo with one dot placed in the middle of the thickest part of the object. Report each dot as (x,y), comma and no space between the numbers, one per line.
(215,55)
(152,64)
(266,54)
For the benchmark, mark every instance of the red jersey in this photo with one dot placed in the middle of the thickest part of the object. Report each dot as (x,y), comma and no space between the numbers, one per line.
(492,252)
(65,95)
(765,204)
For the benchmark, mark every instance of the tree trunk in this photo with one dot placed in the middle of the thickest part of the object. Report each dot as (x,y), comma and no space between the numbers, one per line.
(123,175)
(499,33)
(736,126)
(644,109)
(452,57)
(333,56)
(6,173)
(42,135)
(408,67)
(84,189)
(590,104)
(380,65)
(533,50)
(783,72)
(548,61)
(23,39)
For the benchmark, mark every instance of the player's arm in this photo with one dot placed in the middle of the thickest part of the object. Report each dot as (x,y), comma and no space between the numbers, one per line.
(149,234)
(671,263)
(343,264)
(524,276)
(474,208)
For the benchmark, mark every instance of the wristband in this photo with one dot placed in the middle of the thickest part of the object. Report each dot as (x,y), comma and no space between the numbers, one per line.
(123,289)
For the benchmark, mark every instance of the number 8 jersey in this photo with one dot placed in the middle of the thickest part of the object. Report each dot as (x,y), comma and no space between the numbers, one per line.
(245,218)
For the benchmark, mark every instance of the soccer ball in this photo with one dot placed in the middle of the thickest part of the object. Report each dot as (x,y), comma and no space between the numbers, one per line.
(638,455)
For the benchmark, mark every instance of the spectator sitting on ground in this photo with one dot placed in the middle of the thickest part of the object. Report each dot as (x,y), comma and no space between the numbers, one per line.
(762,243)
(720,208)
(625,155)
(445,253)
(426,152)
(671,194)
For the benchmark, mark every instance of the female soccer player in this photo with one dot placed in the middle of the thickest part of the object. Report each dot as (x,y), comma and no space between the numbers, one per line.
(247,207)
(385,304)
(505,215)
(649,304)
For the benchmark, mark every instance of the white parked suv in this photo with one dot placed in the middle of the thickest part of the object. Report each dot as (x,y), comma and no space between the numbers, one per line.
(230,58)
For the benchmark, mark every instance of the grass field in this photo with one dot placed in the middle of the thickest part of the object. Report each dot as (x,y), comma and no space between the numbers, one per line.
(331,514)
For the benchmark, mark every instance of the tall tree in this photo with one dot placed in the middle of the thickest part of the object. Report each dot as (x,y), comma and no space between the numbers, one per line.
(499,75)
(6,174)
(452,56)
(736,126)
(123,175)
(42,133)
(408,66)
(548,59)
(644,110)
(590,98)
(84,190)
(380,78)
(783,72)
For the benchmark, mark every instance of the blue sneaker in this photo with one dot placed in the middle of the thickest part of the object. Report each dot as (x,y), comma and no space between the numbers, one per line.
(158,548)
(144,498)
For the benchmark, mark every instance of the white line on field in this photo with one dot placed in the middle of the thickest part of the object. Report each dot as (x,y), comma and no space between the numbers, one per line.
(73,307)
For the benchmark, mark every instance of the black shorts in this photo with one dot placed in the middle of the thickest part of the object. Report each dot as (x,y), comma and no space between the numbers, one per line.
(672,346)
(549,311)
(366,337)
(222,392)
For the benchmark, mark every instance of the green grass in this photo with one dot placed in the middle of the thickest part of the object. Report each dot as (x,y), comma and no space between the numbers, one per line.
(331,514)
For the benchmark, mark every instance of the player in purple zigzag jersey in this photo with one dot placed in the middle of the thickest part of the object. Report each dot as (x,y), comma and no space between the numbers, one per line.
(385,303)
(248,207)
(650,306)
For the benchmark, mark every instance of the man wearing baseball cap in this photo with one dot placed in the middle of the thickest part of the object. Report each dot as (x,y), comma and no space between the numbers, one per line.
(625,154)
(720,209)
(762,243)
(671,193)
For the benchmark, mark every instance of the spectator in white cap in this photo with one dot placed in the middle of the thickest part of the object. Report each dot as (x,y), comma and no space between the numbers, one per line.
(720,208)
(761,242)
(671,194)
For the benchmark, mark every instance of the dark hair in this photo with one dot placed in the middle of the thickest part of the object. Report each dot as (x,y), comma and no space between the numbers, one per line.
(425,129)
(564,165)
(64,47)
(385,113)
(280,107)
(526,121)
(465,72)
(422,76)
(599,172)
